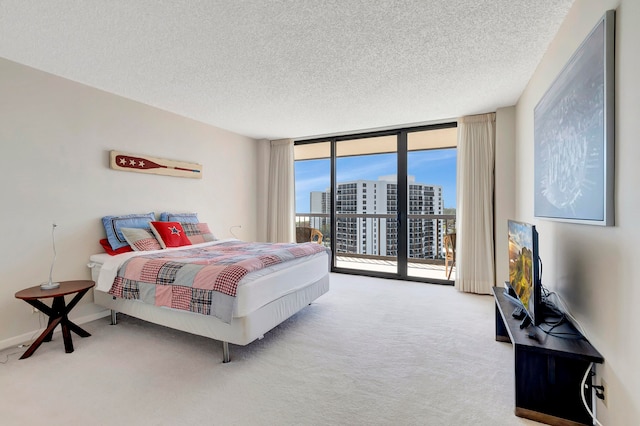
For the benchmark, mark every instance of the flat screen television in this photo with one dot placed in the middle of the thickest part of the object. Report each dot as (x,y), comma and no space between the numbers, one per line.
(524,271)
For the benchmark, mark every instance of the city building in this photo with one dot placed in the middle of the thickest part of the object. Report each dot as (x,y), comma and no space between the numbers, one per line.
(370,231)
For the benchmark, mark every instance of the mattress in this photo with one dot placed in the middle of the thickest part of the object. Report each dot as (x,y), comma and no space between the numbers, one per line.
(254,291)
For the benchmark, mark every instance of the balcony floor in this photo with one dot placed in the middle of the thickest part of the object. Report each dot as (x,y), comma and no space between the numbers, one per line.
(422,270)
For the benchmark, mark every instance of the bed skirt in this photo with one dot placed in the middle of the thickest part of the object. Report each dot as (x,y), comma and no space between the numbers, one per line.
(240,331)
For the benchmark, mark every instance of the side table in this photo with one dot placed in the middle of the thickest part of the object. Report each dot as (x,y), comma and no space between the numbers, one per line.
(58,312)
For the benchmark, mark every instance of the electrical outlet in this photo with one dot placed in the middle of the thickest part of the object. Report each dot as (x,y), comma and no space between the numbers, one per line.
(604,392)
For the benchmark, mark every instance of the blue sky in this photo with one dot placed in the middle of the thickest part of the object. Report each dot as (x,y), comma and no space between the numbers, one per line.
(435,167)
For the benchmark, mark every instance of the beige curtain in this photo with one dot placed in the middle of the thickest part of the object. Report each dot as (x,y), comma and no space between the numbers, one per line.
(281,193)
(475,272)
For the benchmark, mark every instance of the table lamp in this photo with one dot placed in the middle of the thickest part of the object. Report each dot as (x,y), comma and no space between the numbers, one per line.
(50,284)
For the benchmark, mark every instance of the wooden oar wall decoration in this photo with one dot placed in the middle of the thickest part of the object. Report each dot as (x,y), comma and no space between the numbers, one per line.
(159,166)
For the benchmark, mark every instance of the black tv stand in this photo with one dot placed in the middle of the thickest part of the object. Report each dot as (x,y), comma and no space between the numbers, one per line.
(548,370)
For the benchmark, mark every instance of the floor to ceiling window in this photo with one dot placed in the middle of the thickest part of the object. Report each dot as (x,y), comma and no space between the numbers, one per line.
(313,194)
(431,193)
(383,201)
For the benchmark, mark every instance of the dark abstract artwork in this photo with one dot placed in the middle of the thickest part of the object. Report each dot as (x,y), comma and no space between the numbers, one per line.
(573,135)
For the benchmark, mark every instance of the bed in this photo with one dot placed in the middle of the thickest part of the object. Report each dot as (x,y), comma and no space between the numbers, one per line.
(263,297)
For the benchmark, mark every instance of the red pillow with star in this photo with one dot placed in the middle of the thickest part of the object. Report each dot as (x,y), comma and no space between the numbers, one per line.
(170,234)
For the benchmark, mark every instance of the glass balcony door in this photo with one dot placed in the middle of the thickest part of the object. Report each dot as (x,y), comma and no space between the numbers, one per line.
(366,204)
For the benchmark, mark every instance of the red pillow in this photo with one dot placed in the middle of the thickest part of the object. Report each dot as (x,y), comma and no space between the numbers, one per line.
(107,247)
(170,234)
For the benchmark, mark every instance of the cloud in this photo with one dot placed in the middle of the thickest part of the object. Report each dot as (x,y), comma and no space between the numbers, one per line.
(438,156)
(318,183)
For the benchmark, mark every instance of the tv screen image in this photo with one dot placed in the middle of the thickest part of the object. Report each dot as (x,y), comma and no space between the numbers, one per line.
(523,267)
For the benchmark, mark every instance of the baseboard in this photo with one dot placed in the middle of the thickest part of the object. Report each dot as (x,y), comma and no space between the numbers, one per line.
(28,337)
(545,418)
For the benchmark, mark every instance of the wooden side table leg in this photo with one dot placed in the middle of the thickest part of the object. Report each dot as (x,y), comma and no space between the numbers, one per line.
(66,335)
(79,331)
(58,309)
(42,338)
(49,336)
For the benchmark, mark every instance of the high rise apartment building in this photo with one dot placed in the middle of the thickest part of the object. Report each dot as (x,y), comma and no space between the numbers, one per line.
(378,236)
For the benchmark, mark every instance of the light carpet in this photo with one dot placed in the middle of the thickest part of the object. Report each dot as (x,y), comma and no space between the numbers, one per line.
(369,352)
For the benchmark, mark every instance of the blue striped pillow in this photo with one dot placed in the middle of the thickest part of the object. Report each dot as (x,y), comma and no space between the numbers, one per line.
(179,217)
(114,224)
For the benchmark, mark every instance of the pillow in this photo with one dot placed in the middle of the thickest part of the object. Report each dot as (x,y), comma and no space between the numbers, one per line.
(113,224)
(140,239)
(107,248)
(179,217)
(198,232)
(170,234)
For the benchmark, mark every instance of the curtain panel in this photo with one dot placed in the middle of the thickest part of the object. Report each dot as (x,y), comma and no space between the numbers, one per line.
(475,270)
(281,193)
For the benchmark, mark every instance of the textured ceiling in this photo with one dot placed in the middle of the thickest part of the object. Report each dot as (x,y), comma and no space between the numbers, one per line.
(274,68)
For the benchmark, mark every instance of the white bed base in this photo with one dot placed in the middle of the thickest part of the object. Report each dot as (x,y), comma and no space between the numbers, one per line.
(241,330)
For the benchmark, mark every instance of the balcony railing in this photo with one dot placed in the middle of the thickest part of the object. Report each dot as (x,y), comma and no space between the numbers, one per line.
(377,250)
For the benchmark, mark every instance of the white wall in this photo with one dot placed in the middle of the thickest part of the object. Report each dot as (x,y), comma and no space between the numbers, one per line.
(592,267)
(55,137)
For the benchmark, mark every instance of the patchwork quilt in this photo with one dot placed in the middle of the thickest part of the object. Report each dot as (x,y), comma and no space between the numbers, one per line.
(202,279)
